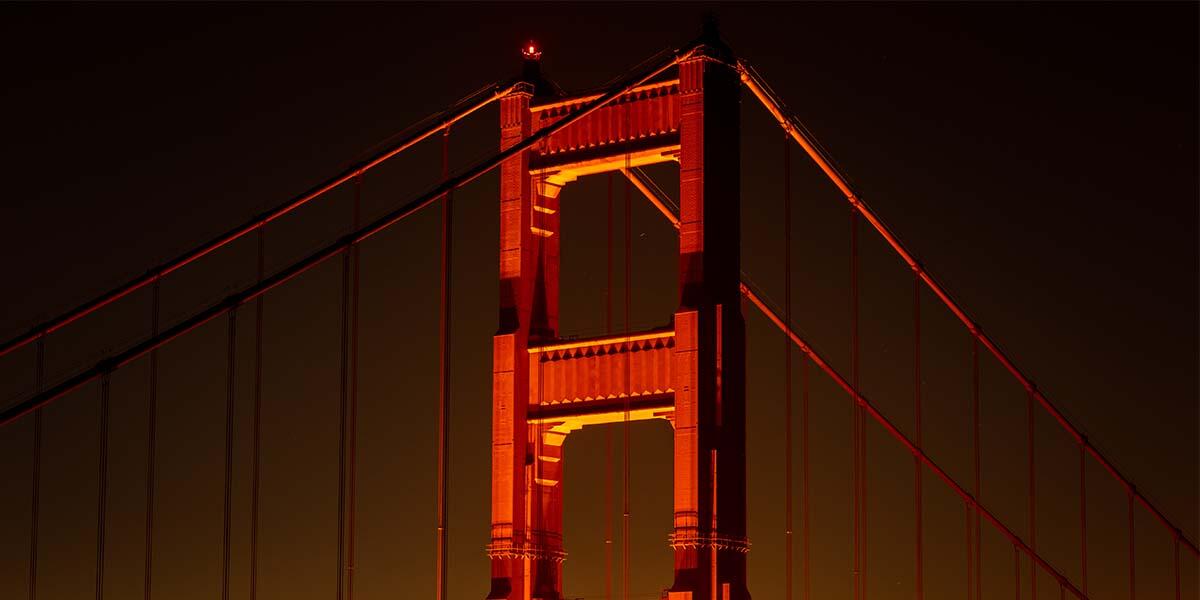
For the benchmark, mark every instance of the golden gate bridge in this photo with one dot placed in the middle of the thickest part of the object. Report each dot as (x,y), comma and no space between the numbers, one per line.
(680,106)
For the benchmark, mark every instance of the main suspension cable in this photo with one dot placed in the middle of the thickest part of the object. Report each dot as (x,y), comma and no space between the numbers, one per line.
(794,128)
(14,412)
(437,123)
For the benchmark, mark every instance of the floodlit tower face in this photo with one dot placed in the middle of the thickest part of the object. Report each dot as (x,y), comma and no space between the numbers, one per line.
(692,373)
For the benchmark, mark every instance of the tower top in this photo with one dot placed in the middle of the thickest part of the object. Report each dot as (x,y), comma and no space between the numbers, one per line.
(531,51)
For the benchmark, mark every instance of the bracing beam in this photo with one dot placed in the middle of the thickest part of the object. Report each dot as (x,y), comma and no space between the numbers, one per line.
(796,130)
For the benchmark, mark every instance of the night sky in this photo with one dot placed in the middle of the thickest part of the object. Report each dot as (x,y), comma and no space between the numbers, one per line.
(1040,159)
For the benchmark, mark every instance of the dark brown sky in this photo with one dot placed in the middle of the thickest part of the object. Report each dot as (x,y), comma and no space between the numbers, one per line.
(1040,159)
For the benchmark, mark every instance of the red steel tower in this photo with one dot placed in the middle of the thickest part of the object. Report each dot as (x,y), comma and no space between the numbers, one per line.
(691,373)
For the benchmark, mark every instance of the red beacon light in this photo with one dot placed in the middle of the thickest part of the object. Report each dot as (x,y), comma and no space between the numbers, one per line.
(530,51)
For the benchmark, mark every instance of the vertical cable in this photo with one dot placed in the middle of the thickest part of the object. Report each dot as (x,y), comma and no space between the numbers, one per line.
(1032,499)
(1178,595)
(102,484)
(857,433)
(977,443)
(343,417)
(917,480)
(1083,518)
(230,394)
(352,485)
(787,365)
(443,450)
(1132,586)
(968,512)
(39,375)
(1017,570)
(256,426)
(806,569)
(151,443)
(608,431)
(628,284)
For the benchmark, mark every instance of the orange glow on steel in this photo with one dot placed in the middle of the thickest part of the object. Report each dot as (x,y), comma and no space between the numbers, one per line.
(625,339)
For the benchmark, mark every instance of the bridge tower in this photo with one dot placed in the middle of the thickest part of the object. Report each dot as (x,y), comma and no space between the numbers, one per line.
(691,373)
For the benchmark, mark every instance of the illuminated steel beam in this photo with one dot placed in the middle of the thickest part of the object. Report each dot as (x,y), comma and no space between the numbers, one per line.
(116,360)
(775,106)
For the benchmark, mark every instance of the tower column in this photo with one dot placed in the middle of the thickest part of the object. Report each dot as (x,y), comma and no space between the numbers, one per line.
(709,534)
(526,531)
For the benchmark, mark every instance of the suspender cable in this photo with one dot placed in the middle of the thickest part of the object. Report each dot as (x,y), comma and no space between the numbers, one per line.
(970,549)
(256,426)
(806,569)
(343,417)
(856,415)
(1017,570)
(962,492)
(1083,518)
(976,446)
(1175,539)
(443,449)
(793,127)
(102,484)
(319,256)
(919,475)
(628,234)
(608,431)
(352,484)
(151,444)
(787,367)
(39,374)
(1032,500)
(1132,578)
(422,131)
(231,392)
